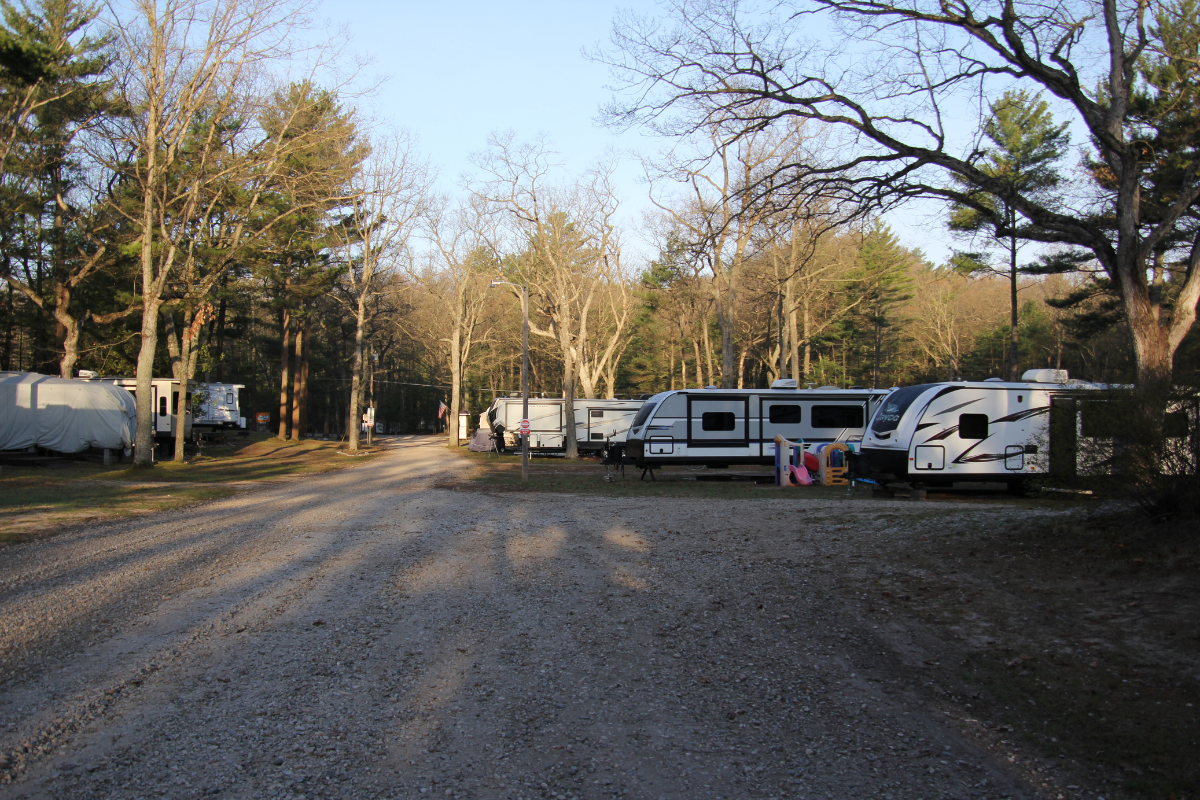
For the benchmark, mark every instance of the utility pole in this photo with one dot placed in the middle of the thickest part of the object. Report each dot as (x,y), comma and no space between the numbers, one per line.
(525,381)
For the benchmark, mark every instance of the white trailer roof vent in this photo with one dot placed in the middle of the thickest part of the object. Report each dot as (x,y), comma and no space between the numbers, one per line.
(87,373)
(785,383)
(1045,376)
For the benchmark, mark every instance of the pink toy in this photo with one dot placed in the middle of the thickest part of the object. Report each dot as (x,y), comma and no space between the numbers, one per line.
(799,476)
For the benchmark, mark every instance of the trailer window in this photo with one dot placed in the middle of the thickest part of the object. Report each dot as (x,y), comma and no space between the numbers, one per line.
(837,416)
(229,398)
(784,415)
(597,413)
(893,408)
(972,426)
(717,421)
(162,406)
(643,414)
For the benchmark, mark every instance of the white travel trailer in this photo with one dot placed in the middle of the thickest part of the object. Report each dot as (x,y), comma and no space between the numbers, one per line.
(720,427)
(216,407)
(938,433)
(599,423)
(164,400)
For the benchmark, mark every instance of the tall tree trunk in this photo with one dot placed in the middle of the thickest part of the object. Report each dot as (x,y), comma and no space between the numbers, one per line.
(571,445)
(728,322)
(10,312)
(144,437)
(699,368)
(356,381)
(302,400)
(220,337)
(297,431)
(807,340)
(285,375)
(455,385)
(325,423)
(793,332)
(783,366)
(708,353)
(68,328)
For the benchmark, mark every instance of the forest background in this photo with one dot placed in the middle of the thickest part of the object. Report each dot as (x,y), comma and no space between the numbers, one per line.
(182,196)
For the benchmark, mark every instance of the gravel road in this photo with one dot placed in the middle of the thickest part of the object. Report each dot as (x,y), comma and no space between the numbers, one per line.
(367,634)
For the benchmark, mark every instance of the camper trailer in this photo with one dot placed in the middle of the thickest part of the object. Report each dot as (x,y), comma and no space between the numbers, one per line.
(599,423)
(216,408)
(938,433)
(721,427)
(163,400)
(65,416)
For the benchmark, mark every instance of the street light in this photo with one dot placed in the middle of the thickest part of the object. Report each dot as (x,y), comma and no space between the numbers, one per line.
(524,369)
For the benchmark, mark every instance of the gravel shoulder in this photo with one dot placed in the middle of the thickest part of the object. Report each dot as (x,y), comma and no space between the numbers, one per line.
(365,634)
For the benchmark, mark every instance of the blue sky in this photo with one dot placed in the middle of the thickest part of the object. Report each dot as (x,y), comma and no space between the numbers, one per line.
(456,72)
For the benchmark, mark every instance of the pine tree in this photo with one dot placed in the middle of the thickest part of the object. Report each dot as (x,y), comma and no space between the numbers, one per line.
(1025,146)
(883,276)
(54,88)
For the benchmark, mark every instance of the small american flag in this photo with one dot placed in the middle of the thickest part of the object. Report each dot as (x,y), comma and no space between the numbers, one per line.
(442,408)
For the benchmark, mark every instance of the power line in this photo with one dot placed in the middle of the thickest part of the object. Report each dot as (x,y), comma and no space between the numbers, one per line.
(405,383)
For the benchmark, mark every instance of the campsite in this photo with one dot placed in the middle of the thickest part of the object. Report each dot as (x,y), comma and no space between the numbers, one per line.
(489,636)
(632,400)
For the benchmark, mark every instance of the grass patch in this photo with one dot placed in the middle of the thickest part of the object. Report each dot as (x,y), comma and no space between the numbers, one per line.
(588,476)
(30,506)
(256,457)
(43,499)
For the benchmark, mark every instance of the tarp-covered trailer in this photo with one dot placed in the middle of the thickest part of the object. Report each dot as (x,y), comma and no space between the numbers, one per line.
(65,416)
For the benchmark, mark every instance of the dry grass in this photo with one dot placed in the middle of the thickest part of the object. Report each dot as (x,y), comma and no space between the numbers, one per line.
(39,500)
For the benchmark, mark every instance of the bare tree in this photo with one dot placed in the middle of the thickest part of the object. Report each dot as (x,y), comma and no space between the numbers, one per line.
(724,201)
(388,194)
(888,84)
(947,317)
(456,283)
(564,239)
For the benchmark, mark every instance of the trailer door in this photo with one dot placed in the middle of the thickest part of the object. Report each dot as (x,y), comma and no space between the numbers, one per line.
(608,423)
(718,422)
(1064,437)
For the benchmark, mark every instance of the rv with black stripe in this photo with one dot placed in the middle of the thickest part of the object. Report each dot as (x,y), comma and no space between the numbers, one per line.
(939,433)
(726,427)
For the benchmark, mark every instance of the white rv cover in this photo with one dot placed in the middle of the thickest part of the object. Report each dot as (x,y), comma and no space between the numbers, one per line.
(66,416)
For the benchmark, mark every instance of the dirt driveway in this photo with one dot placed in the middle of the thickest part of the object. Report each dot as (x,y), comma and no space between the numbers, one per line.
(365,634)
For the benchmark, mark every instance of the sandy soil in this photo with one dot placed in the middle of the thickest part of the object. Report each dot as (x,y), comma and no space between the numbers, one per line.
(363,634)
